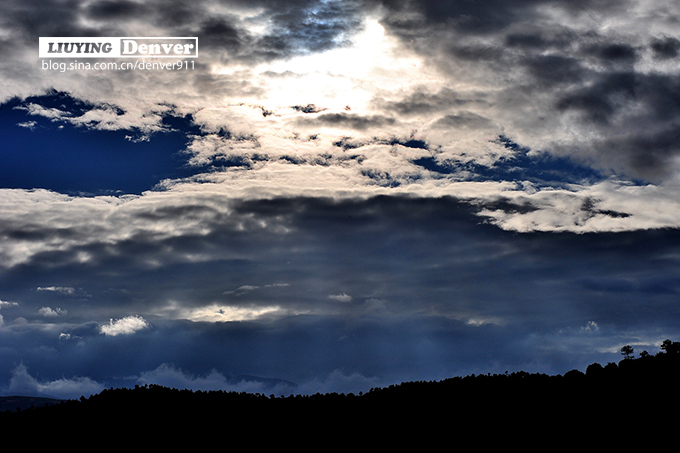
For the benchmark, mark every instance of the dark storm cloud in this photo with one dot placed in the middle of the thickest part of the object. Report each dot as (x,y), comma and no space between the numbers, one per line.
(108,10)
(479,18)
(312,26)
(554,64)
(309,108)
(552,70)
(649,153)
(27,21)
(613,52)
(465,120)
(469,17)
(666,47)
(422,101)
(221,35)
(348,120)
(646,140)
(600,102)
(527,40)
(294,27)
(494,12)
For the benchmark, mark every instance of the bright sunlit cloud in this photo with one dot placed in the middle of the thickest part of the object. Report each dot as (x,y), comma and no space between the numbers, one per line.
(124,326)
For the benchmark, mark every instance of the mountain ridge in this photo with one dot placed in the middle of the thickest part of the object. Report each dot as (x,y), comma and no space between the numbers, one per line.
(493,408)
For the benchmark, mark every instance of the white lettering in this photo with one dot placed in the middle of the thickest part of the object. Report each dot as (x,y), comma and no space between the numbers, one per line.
(129,46)
(88,47)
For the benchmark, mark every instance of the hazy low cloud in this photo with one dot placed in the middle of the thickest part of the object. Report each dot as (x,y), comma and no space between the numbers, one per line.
(22,383)
(174,377)
(340,382)
(171,376)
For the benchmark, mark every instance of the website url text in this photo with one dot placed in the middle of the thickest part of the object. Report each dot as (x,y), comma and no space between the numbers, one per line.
(136,65)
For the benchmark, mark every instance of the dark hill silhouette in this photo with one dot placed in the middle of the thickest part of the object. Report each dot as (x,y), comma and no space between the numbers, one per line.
(13,403)
(523,408)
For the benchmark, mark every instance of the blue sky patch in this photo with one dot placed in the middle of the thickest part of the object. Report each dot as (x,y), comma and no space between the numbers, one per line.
(541,168)
(49,153)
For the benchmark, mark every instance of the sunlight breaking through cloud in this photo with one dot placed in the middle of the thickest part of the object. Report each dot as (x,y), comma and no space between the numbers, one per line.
(226,313)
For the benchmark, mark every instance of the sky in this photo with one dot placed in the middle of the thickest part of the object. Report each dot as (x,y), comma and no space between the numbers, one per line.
(337,195)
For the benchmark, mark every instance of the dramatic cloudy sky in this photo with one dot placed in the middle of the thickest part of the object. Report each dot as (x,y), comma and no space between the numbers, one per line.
(338,194)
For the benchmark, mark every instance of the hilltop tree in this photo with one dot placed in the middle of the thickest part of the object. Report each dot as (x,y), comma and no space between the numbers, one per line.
(627,351)
(671,347)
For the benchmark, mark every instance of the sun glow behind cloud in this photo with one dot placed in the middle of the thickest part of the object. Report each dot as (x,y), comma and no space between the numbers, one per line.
(220,312)
(347,75)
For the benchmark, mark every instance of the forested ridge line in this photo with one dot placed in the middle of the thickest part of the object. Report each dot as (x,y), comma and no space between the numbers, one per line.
(507,400)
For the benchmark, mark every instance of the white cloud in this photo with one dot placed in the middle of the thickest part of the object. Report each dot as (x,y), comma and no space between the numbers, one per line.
(124,326)
(50,312)
(39,110)
(341,297)
(247,288)
(110,220)
(616,206)
(590,326)
(57,289)
(27,124)
(482,321)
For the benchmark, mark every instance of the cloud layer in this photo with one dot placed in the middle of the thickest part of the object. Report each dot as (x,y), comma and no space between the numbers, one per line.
(386,288)
(357,97)
(338,193)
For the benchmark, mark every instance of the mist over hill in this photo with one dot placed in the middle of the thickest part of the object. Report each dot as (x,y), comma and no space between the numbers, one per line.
(492,408)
